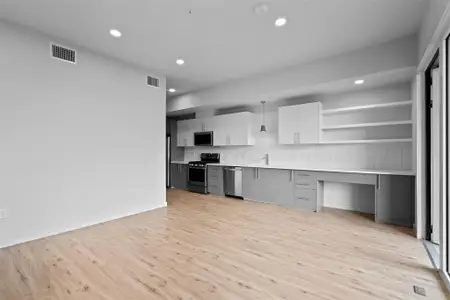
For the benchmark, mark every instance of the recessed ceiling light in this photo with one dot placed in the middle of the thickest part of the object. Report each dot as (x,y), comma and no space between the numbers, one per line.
(180,62)
(172,90)
(115,33)
(280,22)
(359,81)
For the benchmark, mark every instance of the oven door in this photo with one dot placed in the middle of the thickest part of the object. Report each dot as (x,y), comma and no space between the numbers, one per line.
(197,175)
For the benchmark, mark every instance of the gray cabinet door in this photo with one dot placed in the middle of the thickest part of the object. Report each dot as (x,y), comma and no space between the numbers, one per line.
(215,180)
(276,186)
(174,175)
(178,176)
(183,176)
(395,196)
(268,186)
(249,184)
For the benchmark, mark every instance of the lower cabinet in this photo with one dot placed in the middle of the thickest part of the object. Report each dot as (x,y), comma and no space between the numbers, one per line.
(215,180)
(179,176)
(281,187)
(269,186)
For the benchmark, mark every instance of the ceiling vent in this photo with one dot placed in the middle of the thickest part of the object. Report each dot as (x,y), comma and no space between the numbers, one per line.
(153,81)
(62,53)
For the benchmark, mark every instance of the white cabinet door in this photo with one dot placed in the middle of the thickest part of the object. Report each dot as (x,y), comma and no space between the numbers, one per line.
(186,129)
(299,124)
(288,126)
(309,123)
(239,129)
(182,133)
(220,130)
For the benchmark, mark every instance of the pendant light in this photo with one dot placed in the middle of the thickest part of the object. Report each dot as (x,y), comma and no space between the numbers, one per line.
(263,125)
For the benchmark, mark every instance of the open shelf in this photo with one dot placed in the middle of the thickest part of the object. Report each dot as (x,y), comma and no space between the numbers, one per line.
(369,141)
(362,125)
(365,107)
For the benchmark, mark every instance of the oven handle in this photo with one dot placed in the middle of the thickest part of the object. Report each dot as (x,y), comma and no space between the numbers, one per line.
(198,168)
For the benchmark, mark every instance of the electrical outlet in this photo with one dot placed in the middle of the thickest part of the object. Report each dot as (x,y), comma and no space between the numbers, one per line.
(3,213)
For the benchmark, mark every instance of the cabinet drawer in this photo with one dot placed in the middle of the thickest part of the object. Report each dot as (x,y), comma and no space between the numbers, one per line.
(304,177)
(215,190)
(306,185)
(214,181)
(305,199)
(214,169)
(214,172)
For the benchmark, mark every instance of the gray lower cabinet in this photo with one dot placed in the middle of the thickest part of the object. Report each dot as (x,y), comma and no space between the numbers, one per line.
(394,200)
(215,180)
(179,176)
(268,186)
(305,190)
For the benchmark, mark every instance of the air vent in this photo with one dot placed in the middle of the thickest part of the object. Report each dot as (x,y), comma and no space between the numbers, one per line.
(63,53)
(153,81)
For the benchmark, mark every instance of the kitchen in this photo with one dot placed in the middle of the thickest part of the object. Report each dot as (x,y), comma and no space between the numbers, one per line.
(349,148)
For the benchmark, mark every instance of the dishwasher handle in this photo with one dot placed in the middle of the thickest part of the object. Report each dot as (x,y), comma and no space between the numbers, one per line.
(233,169)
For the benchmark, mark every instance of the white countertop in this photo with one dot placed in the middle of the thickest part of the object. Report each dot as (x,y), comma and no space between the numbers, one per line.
(300,168)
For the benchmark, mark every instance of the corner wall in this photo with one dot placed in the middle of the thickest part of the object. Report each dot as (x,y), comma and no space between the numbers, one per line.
(81,144)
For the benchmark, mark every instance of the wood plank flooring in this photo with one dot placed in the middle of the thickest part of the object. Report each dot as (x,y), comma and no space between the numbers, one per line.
(212,248)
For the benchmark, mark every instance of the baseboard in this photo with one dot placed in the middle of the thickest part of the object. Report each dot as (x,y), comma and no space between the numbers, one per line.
(22,241)
(445,278)
(433,253)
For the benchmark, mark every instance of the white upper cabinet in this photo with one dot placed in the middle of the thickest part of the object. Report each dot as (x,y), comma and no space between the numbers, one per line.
(236,129)
(228,130)
(185,132)
(299,124)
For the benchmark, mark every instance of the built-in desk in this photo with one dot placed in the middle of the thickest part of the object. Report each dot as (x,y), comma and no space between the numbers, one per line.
(303,189)
(394,194)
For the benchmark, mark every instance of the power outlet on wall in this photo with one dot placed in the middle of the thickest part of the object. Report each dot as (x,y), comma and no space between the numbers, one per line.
(3,213)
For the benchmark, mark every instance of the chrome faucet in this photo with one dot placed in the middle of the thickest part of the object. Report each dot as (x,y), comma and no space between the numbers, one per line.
(266,158)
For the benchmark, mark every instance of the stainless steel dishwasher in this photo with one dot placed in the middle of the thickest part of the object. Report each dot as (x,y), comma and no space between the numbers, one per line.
(232,182)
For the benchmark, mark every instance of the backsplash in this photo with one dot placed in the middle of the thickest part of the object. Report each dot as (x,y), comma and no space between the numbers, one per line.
(390,156)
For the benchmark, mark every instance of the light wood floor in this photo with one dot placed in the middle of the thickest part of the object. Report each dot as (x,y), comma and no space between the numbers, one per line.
(211,248)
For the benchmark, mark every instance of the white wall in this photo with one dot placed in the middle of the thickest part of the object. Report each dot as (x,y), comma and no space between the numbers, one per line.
(80,144)
(433,15)
(398,54)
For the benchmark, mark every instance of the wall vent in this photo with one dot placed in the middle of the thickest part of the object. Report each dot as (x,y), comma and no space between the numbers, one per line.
(63,53)
(153,81)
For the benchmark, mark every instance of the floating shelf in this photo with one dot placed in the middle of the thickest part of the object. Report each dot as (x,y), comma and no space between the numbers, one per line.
(369,141)
(365,107)
(362,125)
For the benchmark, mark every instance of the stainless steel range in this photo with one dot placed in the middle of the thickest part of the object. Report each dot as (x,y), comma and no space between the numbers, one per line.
(198,172)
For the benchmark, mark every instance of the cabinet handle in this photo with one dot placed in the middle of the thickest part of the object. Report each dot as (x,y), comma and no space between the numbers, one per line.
(378,182)
(292,176)
(303,198)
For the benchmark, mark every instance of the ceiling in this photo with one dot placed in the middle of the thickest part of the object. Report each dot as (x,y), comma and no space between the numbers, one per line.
(220,40)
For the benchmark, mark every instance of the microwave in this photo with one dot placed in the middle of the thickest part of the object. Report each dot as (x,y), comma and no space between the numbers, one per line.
(203,138)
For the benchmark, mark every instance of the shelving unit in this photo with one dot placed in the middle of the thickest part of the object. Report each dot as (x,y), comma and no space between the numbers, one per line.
(362,125)
(368,124)
(365,107)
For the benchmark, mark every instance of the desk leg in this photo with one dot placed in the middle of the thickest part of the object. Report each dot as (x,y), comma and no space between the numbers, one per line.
(320,199)
(394,200)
